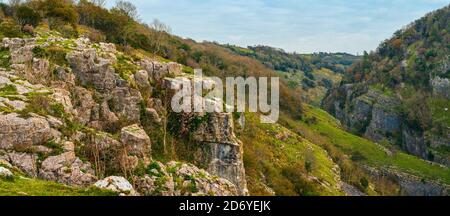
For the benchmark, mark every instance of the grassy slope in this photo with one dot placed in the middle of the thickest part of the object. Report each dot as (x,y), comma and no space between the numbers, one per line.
(32,187)
(272,152)
(327,129)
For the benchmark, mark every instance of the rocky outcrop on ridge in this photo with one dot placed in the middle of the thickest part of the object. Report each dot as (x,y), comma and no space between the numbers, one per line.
(78,118)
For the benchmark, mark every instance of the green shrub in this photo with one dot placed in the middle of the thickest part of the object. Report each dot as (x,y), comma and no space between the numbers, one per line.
(26,15)
(8,90)
(55,54)
(364,183)
(5,58)
(9,28)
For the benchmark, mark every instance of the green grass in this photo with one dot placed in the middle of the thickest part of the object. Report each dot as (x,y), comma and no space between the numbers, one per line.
(125,67)
(440,111)
(328,128)
(282,157)
(383,90)
(5,58)
(20,186)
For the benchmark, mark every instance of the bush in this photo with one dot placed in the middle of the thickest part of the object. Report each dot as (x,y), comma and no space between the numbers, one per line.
(25,15)
(364,183)
(56,55)
(9,28)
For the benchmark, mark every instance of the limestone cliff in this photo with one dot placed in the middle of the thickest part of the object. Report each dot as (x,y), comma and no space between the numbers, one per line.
(74,111)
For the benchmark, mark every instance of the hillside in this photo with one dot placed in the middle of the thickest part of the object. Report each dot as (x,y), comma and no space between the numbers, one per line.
(399,94)
(85,106)
(314,73)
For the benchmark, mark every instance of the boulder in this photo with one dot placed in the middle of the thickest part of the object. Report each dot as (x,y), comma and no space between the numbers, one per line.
(125,103)
(153,115)
(83,102)
(62,96)
(178,179)
(108,47)
(137,142)
(92,70)
(22,55)
(158,70)
(25,162)
(108,117)
(5,173)
(41,71)
(19,133)
(116,184)
(67,169)
(142,81)
(14,104)
(65,75)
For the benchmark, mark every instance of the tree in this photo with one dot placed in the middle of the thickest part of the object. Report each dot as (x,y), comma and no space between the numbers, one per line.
(26,15)
(158,31)
(127,8)
(100,3)
(14,3)
(59,11)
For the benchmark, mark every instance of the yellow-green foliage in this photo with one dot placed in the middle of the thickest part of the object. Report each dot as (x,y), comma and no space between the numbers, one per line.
(125,67)
(5,58)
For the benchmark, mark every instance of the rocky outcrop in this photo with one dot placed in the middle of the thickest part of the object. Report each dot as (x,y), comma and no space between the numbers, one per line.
(177,179)
(411,185)
(158,70)
(97,102)
(223,151)
(5,173)
(375,114)
(136,141)
(441,87)
(92,70)
(68,169)
(20,133)
(219,149)
(117,184)
(125,102)
(25,162)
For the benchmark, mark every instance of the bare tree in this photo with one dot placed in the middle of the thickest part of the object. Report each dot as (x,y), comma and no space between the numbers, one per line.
(127,8)
(100,3)
(14,2)
(160,27)
(159,32)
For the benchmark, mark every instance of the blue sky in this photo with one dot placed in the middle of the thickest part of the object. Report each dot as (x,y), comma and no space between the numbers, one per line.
(302,26)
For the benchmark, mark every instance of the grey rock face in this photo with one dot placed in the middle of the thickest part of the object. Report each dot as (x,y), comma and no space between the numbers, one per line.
(19,133)
(414,142)
(125,103)
(383,122)
(136,140)
(91,70)
(117,184)
(441,87)
(376,115)
(25,162)
(41,71)
(224,152)
(177,179)
(83,102)
(68,169)
(412,185)
(142,81)
(158,70)
(5,173)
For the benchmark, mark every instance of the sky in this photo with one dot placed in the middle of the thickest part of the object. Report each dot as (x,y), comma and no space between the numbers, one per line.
(302,26)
